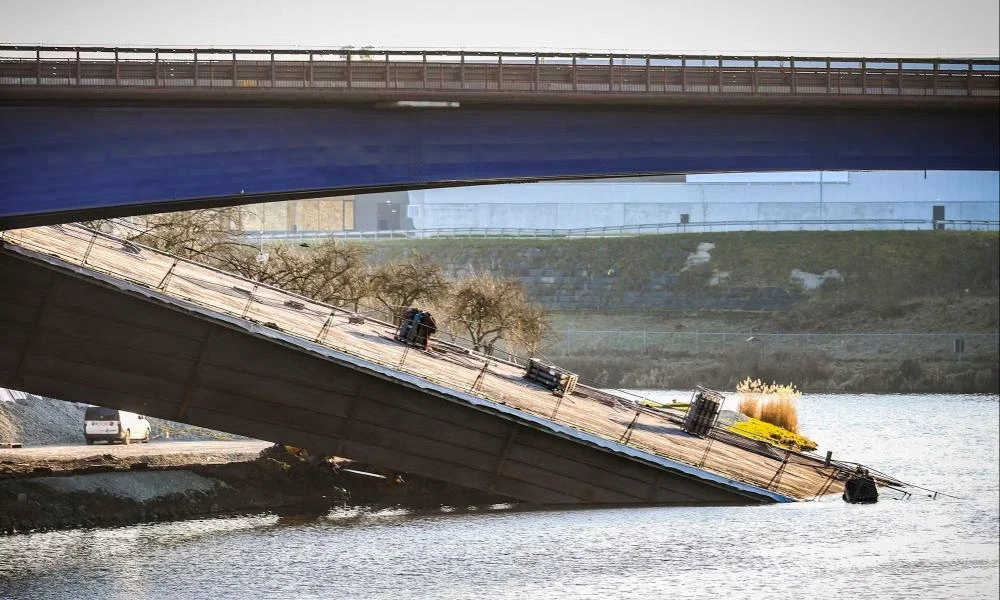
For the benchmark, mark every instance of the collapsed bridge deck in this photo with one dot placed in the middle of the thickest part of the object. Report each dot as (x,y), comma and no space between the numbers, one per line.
(91,318)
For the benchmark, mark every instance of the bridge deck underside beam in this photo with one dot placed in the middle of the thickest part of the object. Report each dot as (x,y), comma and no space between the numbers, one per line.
(77,339)
(65,162)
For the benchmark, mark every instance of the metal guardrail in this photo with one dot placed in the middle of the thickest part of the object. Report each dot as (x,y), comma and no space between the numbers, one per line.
(495,71)
(646,229)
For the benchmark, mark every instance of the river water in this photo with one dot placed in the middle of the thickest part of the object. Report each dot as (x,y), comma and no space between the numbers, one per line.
(916,548)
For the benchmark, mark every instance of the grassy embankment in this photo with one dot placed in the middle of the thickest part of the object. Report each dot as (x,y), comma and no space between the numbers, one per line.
(903,283)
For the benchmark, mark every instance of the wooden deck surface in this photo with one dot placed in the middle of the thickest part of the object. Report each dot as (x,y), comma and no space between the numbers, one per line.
(802,477)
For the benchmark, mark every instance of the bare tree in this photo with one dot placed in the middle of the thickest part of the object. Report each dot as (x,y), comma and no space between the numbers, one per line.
(402,283)
(534,328)
(332,272)
(194,234)
(492,309)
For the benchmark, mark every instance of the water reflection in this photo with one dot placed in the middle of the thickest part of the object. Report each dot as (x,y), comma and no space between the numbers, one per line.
(919,548)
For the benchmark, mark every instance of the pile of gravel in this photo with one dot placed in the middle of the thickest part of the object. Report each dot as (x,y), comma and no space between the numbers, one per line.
(9,431)
(36,420)
(138,486)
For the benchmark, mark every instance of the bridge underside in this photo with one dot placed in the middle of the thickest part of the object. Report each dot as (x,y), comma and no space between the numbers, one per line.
(73,336)
(69,161)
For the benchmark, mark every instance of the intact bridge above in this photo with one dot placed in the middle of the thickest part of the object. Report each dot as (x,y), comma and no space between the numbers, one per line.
(92,131)
(489,76)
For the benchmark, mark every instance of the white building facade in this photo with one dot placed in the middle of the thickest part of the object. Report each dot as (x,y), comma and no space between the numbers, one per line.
(859,200)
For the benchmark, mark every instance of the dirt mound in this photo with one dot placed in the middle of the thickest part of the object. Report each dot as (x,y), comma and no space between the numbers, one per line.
(36,420)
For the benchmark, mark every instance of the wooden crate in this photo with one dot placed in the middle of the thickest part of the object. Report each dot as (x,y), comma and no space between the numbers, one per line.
(551,376)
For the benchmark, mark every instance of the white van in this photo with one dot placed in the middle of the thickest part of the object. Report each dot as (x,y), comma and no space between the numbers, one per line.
(113,425)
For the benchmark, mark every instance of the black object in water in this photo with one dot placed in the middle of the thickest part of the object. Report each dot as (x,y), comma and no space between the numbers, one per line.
(860,489)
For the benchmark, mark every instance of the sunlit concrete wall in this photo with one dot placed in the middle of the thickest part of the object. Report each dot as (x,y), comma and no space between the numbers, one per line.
(856,195)
(318,214)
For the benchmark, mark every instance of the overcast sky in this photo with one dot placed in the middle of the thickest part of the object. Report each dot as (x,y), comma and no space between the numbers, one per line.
(833,27)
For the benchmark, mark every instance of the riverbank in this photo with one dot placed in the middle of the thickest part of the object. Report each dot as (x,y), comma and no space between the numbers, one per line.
(858,363)
(857,311)
(39,492)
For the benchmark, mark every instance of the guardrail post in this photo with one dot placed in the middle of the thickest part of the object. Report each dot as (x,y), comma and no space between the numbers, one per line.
(118,77)
(684,75)
(708,448)
(162,286)
(350,82)
(156,68)
(86,255)
(864,77)
(273,77)
(934,77)
(500,71)
(77,66)
(461,70)
(968,82)
(899,78)
(537,74)
(321,336)
(626,435)
(253,292)
(38,66)
(387,68)
(234,68)
(478,383)
(423,58)
(829,77)
(611,73)
(720,73)
(753,77)
(649,74)
(791,68)
(402,358)
(574,72)
(776,478)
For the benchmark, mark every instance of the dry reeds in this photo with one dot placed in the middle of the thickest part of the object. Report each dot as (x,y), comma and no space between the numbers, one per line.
(770,402)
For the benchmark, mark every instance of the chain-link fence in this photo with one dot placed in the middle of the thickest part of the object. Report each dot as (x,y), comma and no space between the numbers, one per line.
(937,346)
(300,236)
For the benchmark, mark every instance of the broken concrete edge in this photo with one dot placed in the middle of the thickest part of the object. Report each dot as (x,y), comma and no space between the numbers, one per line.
(408,379)
(297,489)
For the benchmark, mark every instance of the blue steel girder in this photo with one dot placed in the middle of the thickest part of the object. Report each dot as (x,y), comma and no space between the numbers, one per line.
(67,161)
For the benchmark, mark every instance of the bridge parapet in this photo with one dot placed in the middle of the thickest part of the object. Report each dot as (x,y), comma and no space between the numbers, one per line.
(479,75)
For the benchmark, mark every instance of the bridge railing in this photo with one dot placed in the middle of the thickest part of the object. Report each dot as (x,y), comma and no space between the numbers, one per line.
(644,229)
(495,71)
